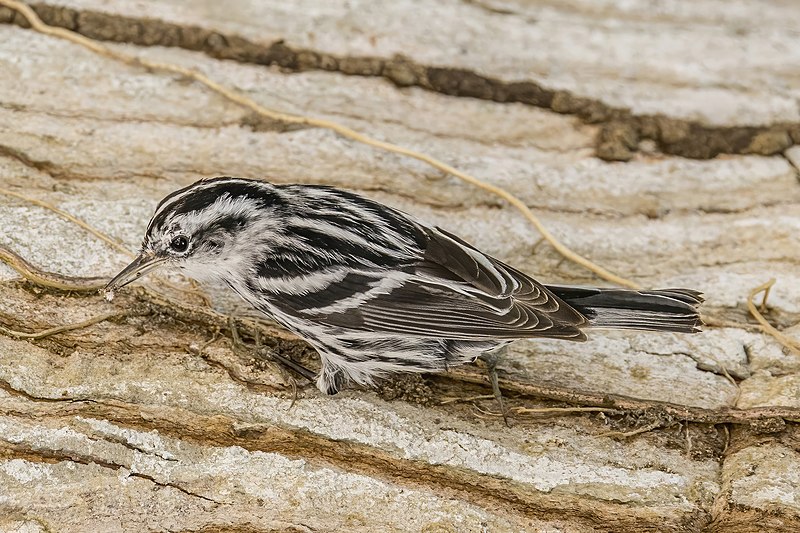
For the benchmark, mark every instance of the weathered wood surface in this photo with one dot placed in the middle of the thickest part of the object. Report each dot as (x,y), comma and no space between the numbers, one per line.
(134,424)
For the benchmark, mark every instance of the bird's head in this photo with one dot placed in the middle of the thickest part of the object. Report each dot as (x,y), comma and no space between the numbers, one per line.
(211,230)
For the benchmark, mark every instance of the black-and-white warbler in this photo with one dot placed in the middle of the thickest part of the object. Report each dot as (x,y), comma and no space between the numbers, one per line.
(371,289)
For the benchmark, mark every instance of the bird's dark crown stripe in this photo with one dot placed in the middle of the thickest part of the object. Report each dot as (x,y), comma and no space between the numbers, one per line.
(188,189)
(202,194)
(231,223)
(204,197)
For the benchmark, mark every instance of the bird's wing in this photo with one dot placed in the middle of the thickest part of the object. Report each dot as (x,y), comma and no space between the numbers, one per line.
(453,291)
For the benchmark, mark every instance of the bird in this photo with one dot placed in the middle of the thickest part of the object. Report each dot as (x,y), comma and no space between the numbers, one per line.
(373,290)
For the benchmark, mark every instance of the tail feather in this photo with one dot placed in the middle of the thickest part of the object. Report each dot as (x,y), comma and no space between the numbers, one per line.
(656,310)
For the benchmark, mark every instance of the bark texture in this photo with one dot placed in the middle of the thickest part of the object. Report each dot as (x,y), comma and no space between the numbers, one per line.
(605,118)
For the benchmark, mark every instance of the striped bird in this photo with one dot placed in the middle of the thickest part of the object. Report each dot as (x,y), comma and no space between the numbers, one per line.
(371,289)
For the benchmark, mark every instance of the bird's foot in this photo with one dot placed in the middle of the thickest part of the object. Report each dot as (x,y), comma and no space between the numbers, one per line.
(491,360)
(285,362)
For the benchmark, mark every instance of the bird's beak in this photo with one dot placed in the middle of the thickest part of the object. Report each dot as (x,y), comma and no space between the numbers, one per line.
(145,262)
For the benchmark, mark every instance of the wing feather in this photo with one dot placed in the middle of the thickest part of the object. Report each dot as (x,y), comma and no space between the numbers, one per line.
(453,291)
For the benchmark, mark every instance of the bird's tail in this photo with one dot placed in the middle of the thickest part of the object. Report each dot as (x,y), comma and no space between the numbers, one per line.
(658,310)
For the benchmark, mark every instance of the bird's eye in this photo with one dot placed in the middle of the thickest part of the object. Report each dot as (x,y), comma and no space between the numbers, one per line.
(179,244)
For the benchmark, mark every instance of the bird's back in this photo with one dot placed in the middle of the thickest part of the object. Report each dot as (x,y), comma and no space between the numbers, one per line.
(362,266)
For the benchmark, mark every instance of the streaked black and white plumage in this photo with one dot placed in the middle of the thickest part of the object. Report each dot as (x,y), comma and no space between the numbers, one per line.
(371,289)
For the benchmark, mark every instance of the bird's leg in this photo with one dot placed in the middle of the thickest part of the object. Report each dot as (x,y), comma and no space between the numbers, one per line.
(235,338)
(310,375)
(292,380)
(285,361)
(491,359)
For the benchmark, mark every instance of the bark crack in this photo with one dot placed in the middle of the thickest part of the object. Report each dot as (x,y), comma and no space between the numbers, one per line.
(44,166)
(480,489)
(115,439)
(618,140)
(19,451)
(113,119)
